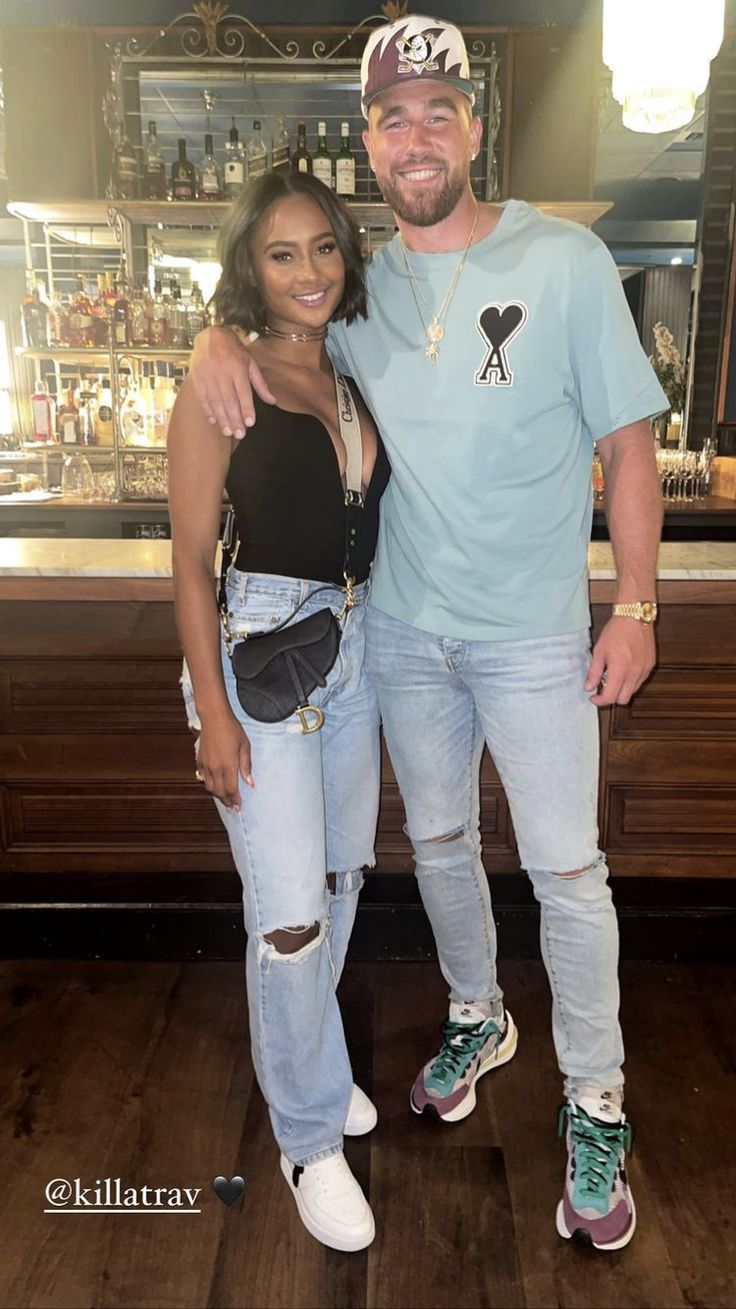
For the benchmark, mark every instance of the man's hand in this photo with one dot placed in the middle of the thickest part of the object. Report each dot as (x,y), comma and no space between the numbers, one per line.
(224,375)
(623,657)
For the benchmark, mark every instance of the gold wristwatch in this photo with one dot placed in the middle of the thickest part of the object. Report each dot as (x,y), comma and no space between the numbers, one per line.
(644,611)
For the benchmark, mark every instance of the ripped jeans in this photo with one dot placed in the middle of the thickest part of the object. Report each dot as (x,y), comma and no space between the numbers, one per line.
(440,699)
(313,812)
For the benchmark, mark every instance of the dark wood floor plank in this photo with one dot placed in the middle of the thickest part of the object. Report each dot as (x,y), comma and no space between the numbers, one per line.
(444,1230)
(680,1032)
(559,1272)
(143,1071)
(147,1081)
(78,1058)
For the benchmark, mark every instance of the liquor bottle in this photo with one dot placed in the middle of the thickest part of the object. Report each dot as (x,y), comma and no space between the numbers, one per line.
(345,164)
(163,403)
(100,316)
(322,162)
(196,314)
(235,165)
(34,316)
(159,323)
(141,306)
(257,152)
(133,417)
(178,320)
(155,175)
(81,321)
(67,422)
(87,403)
(103,416)
(183,175)
(121,313)
(210,181)
(42,410)
(301,160)
(280,152)
(124,170)
(56,325)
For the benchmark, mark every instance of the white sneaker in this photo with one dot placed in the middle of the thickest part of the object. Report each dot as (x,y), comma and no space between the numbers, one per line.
(330,1202)
(362,1114)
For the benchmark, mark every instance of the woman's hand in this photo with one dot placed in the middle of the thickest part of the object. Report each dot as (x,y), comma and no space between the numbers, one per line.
(224,375)
(223,754)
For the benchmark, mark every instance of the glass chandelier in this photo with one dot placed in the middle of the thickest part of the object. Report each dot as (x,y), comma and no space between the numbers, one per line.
(659,52)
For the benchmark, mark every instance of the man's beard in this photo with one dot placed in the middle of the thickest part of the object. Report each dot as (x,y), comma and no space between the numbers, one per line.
(425,209)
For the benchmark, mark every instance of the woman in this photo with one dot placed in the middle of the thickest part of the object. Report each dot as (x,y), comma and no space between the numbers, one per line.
(299,807)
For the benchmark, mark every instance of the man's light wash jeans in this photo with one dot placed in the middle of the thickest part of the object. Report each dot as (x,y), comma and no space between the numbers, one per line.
(313,811)
(440,699)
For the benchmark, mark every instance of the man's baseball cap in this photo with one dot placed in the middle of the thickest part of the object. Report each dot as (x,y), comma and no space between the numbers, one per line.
(411,48)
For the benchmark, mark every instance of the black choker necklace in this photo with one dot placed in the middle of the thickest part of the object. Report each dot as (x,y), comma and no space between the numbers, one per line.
(295,336)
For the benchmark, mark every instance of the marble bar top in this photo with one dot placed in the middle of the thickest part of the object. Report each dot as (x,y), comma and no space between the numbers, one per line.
(90,558)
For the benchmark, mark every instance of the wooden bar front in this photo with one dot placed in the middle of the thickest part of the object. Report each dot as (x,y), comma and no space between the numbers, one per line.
(99,805)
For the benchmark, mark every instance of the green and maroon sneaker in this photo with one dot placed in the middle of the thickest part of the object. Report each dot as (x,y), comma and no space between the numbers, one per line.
(470,1047)
(597,1205)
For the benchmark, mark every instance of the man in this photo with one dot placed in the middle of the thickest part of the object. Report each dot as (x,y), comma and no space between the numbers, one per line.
(498,348)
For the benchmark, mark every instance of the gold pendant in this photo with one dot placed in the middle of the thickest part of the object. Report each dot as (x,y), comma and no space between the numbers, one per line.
(435,332)
(432,351)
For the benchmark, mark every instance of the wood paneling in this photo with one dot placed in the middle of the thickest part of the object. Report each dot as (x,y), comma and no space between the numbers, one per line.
(685,702)
(97,763)
(79,695)
(671,819)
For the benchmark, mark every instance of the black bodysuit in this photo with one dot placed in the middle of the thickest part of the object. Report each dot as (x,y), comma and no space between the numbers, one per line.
(286,491)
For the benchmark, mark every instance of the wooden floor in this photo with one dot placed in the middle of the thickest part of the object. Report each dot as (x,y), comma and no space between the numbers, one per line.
(142,1072)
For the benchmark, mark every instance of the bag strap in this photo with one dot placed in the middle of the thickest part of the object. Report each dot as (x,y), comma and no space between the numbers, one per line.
(350,432)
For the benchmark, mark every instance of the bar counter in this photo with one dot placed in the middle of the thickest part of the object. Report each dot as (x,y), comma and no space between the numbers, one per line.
(108,844)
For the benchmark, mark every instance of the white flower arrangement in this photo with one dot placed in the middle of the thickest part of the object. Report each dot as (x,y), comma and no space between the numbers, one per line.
(669,367)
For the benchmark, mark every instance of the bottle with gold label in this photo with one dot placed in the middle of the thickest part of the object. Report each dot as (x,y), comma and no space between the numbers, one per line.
(103,416)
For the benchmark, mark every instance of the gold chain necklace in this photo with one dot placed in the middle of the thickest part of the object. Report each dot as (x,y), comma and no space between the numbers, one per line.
(434,329)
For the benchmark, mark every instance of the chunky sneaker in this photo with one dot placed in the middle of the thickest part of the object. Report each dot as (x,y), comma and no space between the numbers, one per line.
(362,1114)
(472,1044)
(330,1202)
(596,1204)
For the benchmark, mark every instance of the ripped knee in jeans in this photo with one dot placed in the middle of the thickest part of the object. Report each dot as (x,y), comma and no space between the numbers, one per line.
(292,944)
(454,850)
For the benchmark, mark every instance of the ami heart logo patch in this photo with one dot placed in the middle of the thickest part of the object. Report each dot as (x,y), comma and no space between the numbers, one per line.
(498,325)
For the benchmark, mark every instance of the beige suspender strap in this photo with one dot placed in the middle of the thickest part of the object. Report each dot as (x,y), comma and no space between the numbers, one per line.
(350,433)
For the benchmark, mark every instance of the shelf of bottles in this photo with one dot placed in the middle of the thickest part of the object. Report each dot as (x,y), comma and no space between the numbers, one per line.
(107,359)
(199,133)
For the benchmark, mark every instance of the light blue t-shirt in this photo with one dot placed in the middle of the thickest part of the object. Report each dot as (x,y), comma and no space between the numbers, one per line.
(486,520)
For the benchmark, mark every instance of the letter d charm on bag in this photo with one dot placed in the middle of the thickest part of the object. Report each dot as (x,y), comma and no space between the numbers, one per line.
(303,711)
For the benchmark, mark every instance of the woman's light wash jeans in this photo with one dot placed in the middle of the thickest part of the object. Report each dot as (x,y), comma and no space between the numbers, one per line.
(440,699)
(313,811)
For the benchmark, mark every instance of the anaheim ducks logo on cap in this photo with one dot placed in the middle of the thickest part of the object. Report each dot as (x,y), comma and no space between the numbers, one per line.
(429,48)
(415,54)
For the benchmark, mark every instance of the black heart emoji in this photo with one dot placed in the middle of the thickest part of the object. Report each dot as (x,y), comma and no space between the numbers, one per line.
(498,327)
(228,1189)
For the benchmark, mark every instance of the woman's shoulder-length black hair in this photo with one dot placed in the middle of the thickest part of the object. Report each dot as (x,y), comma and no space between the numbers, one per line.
(237,297)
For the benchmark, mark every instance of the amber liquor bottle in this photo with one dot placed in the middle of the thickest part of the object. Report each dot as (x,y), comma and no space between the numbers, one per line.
(121,313)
